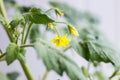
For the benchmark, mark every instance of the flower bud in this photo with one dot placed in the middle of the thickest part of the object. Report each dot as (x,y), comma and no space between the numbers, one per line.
(59,12)
(51,25)
(73,30)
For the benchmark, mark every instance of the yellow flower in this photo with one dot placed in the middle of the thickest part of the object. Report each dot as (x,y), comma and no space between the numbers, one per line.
(61,41)
(51,25)
(59,12)
(73,30)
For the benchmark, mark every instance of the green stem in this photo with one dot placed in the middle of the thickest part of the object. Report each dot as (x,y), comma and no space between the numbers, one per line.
(45,75)
(2,57)
(114,74)
(6,27)
(2,10)
(67,48)
(28,31)
(28,45)
(26,70)
(62,23)
(1,52)
(88,68)
(49,10)
(23,33)
(57,31)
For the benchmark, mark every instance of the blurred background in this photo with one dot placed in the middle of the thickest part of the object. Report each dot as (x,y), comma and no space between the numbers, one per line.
(108,13)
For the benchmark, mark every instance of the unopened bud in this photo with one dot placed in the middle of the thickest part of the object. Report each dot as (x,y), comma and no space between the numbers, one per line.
(73,30)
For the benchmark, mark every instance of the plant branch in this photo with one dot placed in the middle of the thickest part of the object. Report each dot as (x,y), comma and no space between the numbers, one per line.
(61,22)
(26,70)
(2,57)
(3,12)
(1,51)
(28,45)
(45,75)
(57,31)
(114,74)
(49,10)
(28,31)
(88,68)
(68,47)
(23,33)
(10,35)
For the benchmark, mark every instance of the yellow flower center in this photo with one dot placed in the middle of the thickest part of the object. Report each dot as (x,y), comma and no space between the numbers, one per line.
(61,41)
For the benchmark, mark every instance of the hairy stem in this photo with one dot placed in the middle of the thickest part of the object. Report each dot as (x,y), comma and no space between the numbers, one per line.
(57,31)
(88,68)
(1,52)
(68,47)
(27,45)
(114,74)
(49,10)
(45,75)
(23,33)
(26,70)
(2,57)
(28,31)
(6,27)
(62,23)
(2,10)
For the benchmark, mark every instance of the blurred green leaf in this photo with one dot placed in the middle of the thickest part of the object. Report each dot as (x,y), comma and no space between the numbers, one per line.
(108,53)
(58,61)
(3,77)
(14,23)
(74,16)
(10,1)
(14,52)
(36,16)
(24,9)
(13,75)
(93,46)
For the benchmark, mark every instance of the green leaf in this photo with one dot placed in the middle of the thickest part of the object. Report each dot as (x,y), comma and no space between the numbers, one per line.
(14,23)
(11,53)
(56,60)
(13,75)
(24,9)
(14,52)
(36,16)
(107,53)
(3,77)
(92,45)
(11,1)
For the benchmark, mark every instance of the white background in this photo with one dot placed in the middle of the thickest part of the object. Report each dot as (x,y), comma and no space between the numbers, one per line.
(108,11)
